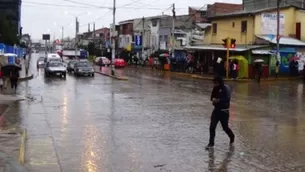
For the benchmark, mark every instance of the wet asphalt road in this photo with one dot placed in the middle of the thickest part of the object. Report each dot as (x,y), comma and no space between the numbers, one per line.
(158,123)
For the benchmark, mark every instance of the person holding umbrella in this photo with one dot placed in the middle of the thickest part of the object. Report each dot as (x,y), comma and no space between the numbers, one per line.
(1,78)
(258,69)
(12,71)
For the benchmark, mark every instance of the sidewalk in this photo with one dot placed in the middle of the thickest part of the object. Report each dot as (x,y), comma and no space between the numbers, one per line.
(23,75)
(106,71)
(210,77)
(10,136)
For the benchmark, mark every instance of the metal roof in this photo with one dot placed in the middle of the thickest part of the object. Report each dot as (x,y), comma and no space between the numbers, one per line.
(285,40)
(245,12)
(221,48)
(203,25)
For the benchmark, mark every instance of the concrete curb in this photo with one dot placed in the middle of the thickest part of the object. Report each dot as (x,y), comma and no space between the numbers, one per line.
(246,80)
(22,147)
(26,78)
(111,76)
(174,73)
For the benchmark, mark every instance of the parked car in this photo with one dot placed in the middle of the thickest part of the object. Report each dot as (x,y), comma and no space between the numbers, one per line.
(40,62)
(119,63)
(70,66)
(55,68)
(102,61)
(83,68)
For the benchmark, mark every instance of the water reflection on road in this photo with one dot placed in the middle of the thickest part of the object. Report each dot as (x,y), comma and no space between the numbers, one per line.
(159,122)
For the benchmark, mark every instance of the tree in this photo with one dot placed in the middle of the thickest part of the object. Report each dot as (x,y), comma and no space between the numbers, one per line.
(91,48)
(7,31)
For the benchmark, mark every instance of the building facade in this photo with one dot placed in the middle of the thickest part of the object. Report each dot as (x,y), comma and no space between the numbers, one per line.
(12,11)
(126,34)
(250,5)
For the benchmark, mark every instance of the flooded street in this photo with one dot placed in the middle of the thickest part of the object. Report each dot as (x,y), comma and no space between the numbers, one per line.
(158,122)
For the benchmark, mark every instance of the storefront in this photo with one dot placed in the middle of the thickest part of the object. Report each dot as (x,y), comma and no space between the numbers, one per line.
(208,54)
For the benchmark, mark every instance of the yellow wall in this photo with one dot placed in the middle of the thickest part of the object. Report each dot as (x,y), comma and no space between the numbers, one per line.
(290,18)
(300,17)
(225,29)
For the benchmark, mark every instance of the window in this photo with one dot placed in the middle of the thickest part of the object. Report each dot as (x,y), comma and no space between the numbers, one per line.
(243,26)
(165,37)
(154,23)
(233,24)
(214,27)
(203,14)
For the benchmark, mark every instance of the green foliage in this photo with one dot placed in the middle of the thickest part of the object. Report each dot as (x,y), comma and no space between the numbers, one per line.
(91,48)
(23,45)
(7,32)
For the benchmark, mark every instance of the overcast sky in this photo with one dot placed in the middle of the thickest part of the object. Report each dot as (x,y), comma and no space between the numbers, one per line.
(48,16)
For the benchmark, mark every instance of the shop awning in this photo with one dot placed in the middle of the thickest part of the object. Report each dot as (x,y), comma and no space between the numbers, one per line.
(203,25)
(221,48)
(284,40)
(263,52)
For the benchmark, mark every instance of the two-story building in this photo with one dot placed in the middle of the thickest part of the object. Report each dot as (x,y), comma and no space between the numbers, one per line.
(254,30)
(126,34)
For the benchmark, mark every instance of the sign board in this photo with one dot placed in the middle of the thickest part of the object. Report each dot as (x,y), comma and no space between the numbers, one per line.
(138,40)
(107,44)
(46,36)
(269,22)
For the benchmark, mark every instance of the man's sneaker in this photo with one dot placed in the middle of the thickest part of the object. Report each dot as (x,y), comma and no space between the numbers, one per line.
(209,146)
(232,139)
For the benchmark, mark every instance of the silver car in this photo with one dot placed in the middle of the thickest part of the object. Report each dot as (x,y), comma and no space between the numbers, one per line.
(40,62)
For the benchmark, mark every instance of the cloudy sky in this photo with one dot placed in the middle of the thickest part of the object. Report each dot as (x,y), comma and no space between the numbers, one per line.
(48,16)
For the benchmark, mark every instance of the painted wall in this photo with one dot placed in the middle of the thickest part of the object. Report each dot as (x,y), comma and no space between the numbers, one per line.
(225,27)
(154,35)
(290,20)
(230,27)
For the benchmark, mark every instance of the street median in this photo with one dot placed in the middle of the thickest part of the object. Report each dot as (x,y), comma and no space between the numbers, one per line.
(112,76)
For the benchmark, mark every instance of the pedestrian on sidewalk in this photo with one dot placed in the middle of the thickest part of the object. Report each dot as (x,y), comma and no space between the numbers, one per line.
(1,79)
(14,76)
(277,68)
(304,73)
(221,96)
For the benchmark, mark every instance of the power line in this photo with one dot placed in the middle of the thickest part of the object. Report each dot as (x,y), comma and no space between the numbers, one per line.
(54,5)
(92,6)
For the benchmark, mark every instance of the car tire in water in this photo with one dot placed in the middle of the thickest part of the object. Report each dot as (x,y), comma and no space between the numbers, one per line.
(92,74)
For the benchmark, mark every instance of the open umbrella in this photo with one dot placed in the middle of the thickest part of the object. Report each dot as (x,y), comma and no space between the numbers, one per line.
(259,61)
(164,55)
(12,66)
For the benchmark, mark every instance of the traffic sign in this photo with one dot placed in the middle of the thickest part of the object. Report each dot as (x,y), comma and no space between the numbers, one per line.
(138,40)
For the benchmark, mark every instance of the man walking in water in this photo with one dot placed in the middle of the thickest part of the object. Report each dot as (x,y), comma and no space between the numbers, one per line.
(221,96)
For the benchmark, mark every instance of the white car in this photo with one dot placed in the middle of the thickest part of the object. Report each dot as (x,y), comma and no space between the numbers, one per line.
(52,57)
(102,61)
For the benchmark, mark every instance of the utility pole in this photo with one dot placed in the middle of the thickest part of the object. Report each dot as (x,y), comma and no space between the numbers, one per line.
(112,37)
(94,33)
(76,33)
(228,44)
(278,30)
(143,33)
(173,31)
(62,34)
